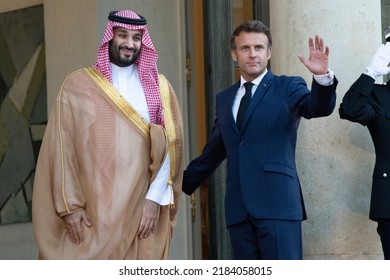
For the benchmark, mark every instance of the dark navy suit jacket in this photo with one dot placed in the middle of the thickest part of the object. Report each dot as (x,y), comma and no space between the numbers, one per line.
(261,173)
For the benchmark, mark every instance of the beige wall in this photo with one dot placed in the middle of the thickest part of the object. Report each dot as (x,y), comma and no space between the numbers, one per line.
(71,36)
(335,157)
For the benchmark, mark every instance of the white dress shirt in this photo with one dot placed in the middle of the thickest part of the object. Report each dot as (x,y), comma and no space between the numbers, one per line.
(126,81)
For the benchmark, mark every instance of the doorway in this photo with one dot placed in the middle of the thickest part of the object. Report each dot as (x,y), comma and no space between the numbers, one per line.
(209,70)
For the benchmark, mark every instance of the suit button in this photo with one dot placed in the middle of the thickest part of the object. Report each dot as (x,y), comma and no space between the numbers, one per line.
(242,143)
(384,175)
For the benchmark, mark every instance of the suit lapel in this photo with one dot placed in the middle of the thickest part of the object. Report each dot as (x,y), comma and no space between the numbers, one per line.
(232,96)
(259,94)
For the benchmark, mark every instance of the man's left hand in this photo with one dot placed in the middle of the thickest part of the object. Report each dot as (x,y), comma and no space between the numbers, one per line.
(318,58)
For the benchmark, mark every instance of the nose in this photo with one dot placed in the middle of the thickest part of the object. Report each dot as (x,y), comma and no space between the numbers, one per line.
(129,43)
(252,52)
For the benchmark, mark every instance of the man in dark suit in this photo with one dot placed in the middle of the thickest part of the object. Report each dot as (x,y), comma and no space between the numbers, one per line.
(263,203)
(368,103)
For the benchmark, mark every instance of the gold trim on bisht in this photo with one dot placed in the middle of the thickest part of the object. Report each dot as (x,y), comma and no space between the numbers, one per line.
(170,130)
(129,113)
(115,98)
(59,127)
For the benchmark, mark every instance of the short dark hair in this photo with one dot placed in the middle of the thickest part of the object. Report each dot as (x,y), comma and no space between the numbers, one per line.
(251,26)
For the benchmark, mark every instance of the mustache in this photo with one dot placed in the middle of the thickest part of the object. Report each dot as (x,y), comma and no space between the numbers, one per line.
(130,49)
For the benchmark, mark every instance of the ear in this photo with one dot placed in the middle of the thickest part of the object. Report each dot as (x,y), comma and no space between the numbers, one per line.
(234,55)
(269,53)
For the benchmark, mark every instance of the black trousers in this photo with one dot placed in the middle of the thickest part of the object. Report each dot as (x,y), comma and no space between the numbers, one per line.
(384,233)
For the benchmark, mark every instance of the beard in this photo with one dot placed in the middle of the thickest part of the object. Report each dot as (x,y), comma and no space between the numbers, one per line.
(123,61)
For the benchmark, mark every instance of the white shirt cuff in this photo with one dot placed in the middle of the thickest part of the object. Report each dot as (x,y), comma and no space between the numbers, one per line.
(369,73)
(325,80)
(159,190)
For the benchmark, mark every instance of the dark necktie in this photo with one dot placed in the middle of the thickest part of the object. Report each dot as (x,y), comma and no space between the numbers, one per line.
(244,104)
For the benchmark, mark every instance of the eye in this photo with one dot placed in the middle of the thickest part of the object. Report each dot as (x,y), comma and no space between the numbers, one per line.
(260,47)
(121,34)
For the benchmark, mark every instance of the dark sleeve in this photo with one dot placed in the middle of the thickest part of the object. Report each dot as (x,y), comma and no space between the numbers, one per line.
(320,101)
(203,166)
(359,104)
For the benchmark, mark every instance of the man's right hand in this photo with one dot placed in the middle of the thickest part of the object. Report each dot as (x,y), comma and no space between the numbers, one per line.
(149,219)
(379,65)
(73,223)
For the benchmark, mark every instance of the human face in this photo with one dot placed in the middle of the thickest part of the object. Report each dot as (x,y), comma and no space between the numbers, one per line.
(251,54)
(125,47)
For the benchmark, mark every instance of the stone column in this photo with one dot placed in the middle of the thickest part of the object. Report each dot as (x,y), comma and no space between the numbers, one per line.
(71,37)
(219,76)
(334,157)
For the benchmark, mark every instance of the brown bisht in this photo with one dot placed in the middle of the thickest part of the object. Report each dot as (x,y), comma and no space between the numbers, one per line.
(98,154)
